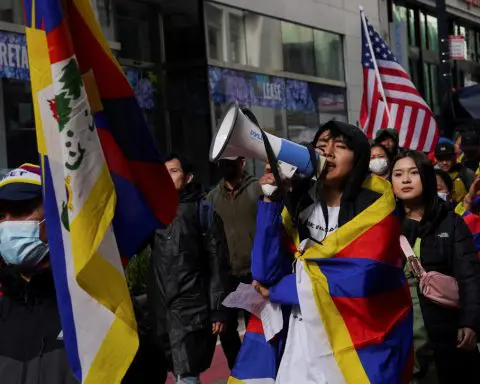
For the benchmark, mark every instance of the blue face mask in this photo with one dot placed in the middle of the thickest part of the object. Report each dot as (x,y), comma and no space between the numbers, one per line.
(20,243)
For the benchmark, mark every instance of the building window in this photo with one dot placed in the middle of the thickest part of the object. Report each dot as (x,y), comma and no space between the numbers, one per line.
(264,41)
(237,39)
(214,17)
(132,22)
(328,55)
(298,49)
(242,37)
(11,11)
(432,33)
(19,122)
(103,13)
(430,74)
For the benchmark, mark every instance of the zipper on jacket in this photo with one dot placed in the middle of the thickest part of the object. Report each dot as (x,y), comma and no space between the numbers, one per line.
(40,360)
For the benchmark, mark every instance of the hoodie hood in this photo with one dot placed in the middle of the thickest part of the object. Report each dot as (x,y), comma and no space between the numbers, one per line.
(361,149)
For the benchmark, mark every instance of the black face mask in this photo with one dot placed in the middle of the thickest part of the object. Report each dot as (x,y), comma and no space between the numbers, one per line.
(229,169)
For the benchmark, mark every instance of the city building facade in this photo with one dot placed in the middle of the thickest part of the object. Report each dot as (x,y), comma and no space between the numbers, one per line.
(295,64)
(415,29)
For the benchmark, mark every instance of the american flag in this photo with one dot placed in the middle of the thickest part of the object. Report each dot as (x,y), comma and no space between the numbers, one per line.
(409,113)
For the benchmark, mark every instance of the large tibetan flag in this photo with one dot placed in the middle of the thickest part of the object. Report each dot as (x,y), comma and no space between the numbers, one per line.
(354,303)
(105,186)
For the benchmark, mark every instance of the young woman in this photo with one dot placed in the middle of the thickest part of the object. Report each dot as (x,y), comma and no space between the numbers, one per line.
(380,160)
(350,318)
(445,338)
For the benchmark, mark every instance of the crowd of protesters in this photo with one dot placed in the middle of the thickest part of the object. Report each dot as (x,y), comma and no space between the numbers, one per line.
(205,253)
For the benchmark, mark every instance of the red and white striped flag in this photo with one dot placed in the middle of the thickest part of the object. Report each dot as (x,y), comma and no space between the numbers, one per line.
(390,100)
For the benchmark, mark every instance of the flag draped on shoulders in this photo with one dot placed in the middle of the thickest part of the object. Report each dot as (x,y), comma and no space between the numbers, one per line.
(355,303)
(106,188)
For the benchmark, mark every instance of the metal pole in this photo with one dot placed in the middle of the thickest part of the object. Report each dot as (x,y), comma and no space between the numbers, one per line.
(445,68)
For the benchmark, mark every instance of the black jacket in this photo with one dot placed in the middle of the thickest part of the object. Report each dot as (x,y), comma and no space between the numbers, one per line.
(447,247)
(31,344)
(188,282)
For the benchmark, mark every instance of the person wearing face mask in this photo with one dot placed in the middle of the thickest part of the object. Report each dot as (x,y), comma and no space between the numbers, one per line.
(461,176)
(31,339)
(445,337)
(444,186)
(235,199)
(380,160)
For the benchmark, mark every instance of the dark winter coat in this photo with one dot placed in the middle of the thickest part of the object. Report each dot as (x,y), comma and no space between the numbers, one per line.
(188,282)
(239,215)
(31,344)
(447,247)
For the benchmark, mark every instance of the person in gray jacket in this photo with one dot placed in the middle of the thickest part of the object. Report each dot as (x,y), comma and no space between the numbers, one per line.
(235,200)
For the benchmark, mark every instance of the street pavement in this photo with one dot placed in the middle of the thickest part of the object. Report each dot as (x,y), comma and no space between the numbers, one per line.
(219,371)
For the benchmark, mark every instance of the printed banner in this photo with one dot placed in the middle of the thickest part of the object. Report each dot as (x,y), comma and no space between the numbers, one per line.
(251,89)
(13,56)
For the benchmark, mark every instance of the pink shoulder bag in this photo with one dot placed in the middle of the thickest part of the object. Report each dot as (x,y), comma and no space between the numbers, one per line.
(435,286)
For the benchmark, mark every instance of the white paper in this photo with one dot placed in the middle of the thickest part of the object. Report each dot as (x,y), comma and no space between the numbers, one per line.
(247,298)
(272,320)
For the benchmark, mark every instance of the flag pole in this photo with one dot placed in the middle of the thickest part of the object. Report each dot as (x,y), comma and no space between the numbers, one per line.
(374,60)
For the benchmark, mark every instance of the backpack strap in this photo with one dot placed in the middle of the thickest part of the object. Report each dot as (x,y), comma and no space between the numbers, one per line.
(205,215)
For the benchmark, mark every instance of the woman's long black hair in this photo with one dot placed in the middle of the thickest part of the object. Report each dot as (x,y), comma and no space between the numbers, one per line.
(429,182)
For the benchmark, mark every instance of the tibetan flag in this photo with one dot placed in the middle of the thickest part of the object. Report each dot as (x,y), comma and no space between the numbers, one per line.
(473,222)
(354,303)
(105,186)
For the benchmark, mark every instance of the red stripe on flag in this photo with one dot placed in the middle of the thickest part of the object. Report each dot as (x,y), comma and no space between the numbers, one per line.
(399,119)
(370,320)
(60,45)
(401,88)
(150,178)
(393,72)
(379,243)
(111,81)
(423,134)
(411,130)
(254,325)
(117,163)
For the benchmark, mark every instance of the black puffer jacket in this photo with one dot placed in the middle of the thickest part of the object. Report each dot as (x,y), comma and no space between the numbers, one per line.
(31,343)
(447,247)
(188,281)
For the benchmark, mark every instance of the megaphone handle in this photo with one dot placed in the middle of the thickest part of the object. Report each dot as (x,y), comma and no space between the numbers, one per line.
(271,158)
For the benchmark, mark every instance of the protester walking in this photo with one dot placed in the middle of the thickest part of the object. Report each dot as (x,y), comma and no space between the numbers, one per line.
(235,199)
(445,337)
(188,279)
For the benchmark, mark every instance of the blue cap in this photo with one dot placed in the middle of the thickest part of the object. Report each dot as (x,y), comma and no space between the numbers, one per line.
(23,183)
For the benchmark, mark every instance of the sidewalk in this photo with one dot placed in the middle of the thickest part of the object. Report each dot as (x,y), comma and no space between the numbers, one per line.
(218,372)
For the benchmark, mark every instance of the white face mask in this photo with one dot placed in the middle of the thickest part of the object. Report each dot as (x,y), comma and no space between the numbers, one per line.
(443,195)
(379,166)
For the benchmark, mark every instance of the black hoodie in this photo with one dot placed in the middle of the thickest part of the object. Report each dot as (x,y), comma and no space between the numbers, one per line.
(355,198)
(31,342)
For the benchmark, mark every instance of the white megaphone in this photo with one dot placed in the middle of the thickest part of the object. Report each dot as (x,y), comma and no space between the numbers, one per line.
(239,136)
